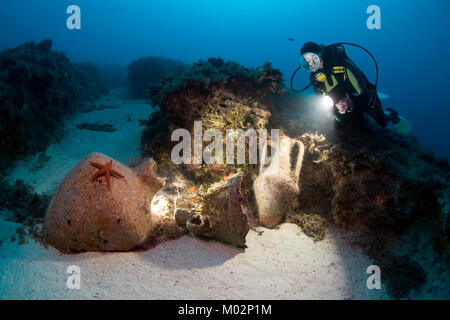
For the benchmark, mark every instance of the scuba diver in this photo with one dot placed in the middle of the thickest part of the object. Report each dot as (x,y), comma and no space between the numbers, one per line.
(335,75)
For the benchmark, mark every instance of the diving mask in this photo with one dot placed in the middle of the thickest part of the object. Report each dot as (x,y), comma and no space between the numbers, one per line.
(310,61)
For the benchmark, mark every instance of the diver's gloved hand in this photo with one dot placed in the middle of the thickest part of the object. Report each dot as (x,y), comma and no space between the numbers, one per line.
(393,117)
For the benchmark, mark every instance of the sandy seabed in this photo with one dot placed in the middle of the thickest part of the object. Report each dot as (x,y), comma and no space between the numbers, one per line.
(277,264)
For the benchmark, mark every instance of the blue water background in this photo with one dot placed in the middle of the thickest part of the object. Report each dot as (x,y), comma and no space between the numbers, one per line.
(412,47)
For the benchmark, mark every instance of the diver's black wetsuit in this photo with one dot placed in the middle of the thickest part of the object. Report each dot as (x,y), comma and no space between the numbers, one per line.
(340,77)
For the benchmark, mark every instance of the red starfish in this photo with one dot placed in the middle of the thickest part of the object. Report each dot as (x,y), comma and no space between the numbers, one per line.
(105,170)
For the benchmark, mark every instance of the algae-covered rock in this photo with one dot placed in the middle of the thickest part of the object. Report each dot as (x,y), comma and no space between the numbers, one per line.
(37,92)
(221,95)
(39,89)
(359,185)
(215,87)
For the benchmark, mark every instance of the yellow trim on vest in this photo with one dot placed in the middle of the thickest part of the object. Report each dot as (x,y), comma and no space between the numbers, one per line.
(354,81)
(328,88)
(338,69)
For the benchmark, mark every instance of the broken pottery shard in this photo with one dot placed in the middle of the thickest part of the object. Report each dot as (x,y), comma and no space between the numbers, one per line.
(86,215)
(225,215)
(277,184)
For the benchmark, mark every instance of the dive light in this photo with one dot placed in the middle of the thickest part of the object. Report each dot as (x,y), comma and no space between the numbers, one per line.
(327,102)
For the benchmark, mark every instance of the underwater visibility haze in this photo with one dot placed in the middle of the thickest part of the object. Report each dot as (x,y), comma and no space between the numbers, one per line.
(411,47)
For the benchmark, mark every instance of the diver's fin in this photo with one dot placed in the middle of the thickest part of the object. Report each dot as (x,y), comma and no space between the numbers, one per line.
(404,127)
(383,96)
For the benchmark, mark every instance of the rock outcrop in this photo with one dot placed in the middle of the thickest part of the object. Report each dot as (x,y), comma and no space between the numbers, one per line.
(39,89)
(221,94)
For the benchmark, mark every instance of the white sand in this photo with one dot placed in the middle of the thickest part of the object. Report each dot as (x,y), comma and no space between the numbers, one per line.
(279,264)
